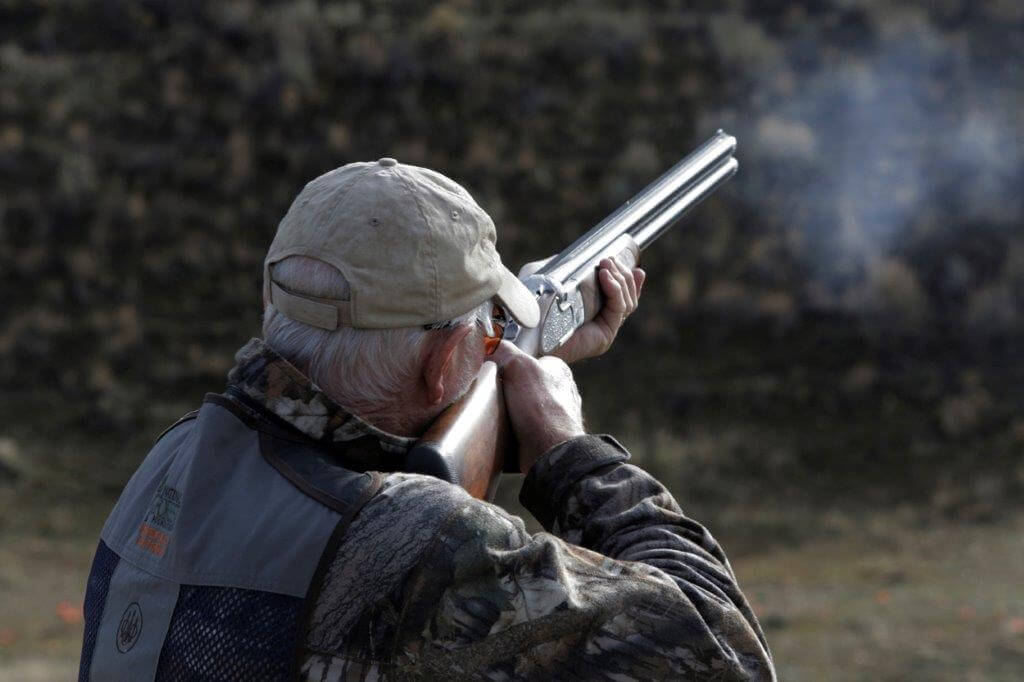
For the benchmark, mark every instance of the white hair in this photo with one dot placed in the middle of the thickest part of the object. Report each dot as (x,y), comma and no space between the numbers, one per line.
(367,371)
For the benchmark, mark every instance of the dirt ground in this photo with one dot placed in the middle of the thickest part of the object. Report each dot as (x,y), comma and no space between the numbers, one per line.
(881,598)
(895,601)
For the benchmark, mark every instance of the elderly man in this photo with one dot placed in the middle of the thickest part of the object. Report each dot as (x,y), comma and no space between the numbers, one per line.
(272,534)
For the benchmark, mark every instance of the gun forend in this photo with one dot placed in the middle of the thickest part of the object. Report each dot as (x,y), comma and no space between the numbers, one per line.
(566,284)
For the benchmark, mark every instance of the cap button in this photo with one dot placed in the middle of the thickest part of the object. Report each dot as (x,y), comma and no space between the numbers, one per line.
(387,161)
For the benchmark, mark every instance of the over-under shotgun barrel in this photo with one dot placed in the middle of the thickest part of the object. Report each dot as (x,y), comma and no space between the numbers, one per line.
(655,209)
(681,204)
(466,444)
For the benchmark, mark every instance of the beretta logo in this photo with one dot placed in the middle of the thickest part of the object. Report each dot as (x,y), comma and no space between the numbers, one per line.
(129,628)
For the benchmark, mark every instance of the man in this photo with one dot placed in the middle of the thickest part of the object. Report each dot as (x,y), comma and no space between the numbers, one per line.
(273,534)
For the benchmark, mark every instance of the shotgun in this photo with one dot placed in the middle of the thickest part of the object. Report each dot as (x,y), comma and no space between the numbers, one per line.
(468,442)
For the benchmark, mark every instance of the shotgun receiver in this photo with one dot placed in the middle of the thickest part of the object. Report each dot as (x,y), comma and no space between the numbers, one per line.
(467,443)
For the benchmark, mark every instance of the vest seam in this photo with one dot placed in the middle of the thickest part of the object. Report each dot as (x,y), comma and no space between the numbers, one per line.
(326,558)
(253,420)
(198,579)
(188,416)
(297,480)
(240,411)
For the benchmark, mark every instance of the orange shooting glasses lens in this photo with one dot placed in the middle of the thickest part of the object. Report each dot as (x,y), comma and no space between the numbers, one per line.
(494,330)
(491,344)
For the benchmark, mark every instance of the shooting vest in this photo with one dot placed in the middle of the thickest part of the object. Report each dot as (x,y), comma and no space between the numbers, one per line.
(208,565)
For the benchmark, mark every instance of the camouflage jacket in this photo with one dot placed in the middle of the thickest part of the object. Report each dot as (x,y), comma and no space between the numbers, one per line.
(430,582)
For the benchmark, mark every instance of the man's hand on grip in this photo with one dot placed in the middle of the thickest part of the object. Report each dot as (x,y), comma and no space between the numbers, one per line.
(543,404)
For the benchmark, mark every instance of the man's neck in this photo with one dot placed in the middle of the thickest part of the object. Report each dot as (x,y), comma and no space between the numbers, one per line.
(266,377)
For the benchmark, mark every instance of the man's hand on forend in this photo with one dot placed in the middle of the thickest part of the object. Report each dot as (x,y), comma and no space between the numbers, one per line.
(621,287)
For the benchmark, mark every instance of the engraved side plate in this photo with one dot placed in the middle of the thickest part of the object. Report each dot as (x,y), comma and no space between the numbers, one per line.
(563,318)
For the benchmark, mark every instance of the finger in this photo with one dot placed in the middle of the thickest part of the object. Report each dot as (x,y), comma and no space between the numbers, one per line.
(555,363)
(627,278)
(639,276)
(508,353)
(611,286)
(622,279)
(614,292)
(557,368)
(629,288)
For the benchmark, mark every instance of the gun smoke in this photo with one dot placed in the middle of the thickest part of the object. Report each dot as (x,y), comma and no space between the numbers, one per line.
(896,142)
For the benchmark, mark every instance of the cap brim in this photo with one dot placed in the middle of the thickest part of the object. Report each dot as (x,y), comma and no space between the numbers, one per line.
(517,299)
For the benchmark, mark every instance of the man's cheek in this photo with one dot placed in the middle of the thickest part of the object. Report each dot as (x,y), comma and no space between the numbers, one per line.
(468,372)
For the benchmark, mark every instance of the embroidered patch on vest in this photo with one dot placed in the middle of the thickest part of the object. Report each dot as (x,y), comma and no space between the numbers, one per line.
(152,540)
(129,629)
(154,533)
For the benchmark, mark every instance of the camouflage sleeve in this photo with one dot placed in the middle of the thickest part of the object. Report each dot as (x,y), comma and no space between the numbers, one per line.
(623,586)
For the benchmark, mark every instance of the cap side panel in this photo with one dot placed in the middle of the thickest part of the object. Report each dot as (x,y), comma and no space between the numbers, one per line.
(446,184)
(296,233)
(436,297)
(388,249)
(320,249)
(342,197)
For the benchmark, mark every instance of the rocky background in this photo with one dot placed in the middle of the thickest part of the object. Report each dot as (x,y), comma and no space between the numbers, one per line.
(841,327)
(845,317)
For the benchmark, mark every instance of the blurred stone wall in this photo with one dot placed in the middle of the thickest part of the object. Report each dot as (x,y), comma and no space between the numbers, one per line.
(845,318)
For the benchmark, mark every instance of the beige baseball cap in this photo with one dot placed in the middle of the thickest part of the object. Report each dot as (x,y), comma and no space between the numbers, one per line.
(414,246)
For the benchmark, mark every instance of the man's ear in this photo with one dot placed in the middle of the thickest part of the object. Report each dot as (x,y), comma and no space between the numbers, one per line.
(438,362)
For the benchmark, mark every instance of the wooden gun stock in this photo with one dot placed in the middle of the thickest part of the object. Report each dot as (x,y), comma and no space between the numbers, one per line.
(468,442)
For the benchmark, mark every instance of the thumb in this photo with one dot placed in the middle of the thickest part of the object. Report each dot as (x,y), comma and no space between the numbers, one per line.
(507,353)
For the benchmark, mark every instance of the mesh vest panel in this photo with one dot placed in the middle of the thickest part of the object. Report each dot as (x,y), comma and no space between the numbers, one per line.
(227,633)
(103,565)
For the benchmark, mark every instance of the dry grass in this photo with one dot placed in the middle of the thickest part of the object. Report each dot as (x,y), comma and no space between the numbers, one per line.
(879,598)
(891,601)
